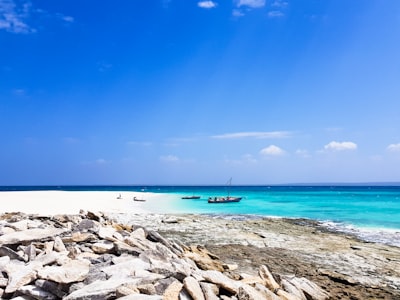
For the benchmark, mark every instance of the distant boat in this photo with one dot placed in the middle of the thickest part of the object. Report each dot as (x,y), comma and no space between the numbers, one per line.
(224,199)
(227,199)
(191,197)
(137,199)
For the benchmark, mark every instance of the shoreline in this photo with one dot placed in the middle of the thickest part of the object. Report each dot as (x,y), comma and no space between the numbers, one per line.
(50,202)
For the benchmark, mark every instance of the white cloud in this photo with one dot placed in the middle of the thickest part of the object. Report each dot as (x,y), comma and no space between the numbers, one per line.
(206,4)
(394,147)
(340,146)
(12,17)
(169,158)
(237,13)
(272,150)
(255,134)
(279,3)
(68,19)
(275,14)
(303,153)
(251,3)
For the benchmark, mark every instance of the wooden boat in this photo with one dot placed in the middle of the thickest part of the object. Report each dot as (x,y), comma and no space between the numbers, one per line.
(224,199)
(137,199)
(191,197)
(227,199)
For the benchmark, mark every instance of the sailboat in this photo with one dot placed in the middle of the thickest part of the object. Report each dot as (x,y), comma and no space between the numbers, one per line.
(226,199)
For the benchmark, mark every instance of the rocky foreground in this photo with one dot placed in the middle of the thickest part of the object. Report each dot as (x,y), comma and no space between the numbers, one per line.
(98,256)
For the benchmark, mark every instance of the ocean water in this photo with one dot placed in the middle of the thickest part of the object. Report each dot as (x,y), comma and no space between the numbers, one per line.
(370,212)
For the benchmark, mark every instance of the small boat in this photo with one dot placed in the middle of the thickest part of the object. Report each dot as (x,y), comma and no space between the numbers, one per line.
(137,199)
(191,197)
(224,199)
(227,199)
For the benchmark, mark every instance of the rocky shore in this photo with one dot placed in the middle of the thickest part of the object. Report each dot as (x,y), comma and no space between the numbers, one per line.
(146,256)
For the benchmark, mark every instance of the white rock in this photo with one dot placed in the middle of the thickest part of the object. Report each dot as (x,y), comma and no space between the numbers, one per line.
(72,271)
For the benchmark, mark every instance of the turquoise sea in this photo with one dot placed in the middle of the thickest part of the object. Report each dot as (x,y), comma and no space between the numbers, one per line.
(371,212)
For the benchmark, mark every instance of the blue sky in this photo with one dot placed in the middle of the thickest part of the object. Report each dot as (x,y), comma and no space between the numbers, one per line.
(196,92)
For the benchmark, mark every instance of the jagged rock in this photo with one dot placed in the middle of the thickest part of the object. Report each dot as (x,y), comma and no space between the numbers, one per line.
(96,216)
(103,247)
(59,244)
(86,225)
(147,289)
(20,274)
(172,291)
(205,263)
(6,251)
(123,248)
(30,235)
(30,251)
(193,288)
(72,271)
(142,297)
(247,292)
(210,291)
(36,292)
(222,281)
(126,268)
(98,290)
(291,289)
(3,282)
(50,286)
(268,295)
(310,289)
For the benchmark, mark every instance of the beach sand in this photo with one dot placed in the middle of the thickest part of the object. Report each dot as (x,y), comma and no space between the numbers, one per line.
(71,202)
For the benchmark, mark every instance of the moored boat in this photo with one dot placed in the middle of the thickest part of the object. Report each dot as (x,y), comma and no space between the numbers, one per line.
(227,199)
(191,197)
(224,199)
(137,199)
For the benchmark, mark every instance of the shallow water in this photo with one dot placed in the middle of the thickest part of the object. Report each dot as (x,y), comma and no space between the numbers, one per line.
(372,212)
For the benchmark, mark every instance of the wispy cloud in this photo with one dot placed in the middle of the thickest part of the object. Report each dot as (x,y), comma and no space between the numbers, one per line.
(143,144)
(275,14)
(13,17)
(19,92)
(237,13)
(394,147)
(340,146)
(16,16)
(279,3)
(169,158)
(254,134)
(303,153)
(272,150)
(251,3)
(244,160)
(206,4)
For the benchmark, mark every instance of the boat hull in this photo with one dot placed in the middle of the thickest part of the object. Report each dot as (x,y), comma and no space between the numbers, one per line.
(224,199)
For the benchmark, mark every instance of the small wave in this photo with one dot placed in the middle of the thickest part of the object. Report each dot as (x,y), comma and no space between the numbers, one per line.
(375,235)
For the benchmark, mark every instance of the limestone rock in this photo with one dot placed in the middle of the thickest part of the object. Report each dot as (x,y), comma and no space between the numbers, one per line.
(29,235)
(193,288)
(222,281)
(73,271)
(210,291)
(36,292)
(172,291)
(20,274)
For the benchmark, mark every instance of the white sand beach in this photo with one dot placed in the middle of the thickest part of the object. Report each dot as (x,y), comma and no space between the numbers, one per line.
(70,202)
